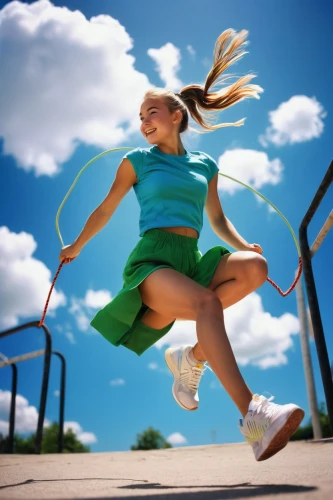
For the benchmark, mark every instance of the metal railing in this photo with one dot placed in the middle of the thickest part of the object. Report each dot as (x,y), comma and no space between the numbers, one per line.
(10,445)
(317,325)
(62,400)
(44,389)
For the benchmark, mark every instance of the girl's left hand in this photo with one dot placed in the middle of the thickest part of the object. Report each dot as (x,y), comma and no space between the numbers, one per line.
(254,247)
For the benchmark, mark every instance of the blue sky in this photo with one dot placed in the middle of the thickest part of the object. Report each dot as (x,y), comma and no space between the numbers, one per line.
(71,85)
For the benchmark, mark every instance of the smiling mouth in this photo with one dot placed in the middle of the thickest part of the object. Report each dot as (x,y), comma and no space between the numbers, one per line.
(150,131)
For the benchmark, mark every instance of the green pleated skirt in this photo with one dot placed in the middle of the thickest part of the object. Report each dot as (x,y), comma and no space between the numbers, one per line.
(120,320)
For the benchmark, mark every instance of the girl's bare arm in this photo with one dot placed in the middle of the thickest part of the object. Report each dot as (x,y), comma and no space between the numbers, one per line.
(124,180)
(221,225)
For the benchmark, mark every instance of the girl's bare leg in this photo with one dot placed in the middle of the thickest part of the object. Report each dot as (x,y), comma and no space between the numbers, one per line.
(173,295)
(236,276)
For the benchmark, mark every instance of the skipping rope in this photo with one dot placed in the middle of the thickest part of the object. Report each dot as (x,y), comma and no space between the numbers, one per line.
(284,294)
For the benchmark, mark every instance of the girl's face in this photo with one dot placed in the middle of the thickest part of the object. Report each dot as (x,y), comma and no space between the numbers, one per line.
(157,122)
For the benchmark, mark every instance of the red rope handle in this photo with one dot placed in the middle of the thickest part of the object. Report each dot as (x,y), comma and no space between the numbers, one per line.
(284,294)
(49,296)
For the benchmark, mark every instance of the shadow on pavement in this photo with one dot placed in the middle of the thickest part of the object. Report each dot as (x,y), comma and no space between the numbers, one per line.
(221,492)
(244,490)
(320,441)
(34,481)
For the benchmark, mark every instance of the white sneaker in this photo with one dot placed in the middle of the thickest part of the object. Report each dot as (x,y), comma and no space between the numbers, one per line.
(187,377)
(268,427)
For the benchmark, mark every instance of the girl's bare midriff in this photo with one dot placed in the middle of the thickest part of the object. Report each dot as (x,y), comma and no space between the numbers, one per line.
(183,231)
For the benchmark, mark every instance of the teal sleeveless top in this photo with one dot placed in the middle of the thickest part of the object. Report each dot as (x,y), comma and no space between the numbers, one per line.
(171,190)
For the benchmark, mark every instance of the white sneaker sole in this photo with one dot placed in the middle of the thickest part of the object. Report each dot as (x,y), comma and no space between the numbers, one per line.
(174,371)
(282,436)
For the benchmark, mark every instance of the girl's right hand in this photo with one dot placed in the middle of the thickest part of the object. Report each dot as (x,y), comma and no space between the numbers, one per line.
(68,253)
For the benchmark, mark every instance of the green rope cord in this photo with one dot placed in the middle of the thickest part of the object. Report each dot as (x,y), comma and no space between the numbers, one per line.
(130,149)
(271,204)
(75,181)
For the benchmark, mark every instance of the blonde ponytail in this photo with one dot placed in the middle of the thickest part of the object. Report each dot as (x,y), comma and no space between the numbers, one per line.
(203,102)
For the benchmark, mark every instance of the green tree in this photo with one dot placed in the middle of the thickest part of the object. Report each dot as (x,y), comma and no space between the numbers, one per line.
(306,431)
(26,445)
(71,443)
(3,443)
(21,444)
(150,439)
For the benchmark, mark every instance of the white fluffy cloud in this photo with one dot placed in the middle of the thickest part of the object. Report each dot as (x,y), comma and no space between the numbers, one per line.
(296,120)
(176,439)
(167,60)
(84,437)
(152,366)
(65,79)
(26,418)
(257,337)
(249,166)
(97,298)
(84,309)
(24,281)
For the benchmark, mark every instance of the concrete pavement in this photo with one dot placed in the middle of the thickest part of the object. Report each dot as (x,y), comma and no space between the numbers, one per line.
(303,470)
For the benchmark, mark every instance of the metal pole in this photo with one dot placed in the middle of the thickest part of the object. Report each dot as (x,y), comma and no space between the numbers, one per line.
(45,385)
(312,296)
(310,386)
(23,357)
(12,410)
(10,445)
(35,354)
(62,401)
(46,374)
(322,234)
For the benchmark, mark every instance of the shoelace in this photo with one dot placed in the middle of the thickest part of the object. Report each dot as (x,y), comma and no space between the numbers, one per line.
(257,420)
(192,377)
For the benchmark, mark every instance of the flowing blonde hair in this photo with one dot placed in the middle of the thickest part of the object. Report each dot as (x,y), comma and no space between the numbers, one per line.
(202,102)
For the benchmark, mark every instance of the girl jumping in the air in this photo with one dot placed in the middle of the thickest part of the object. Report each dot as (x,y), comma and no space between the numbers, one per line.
(166,277)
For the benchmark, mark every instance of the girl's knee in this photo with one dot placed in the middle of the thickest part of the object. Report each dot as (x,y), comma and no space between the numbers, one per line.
(257,269)
(207,300)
